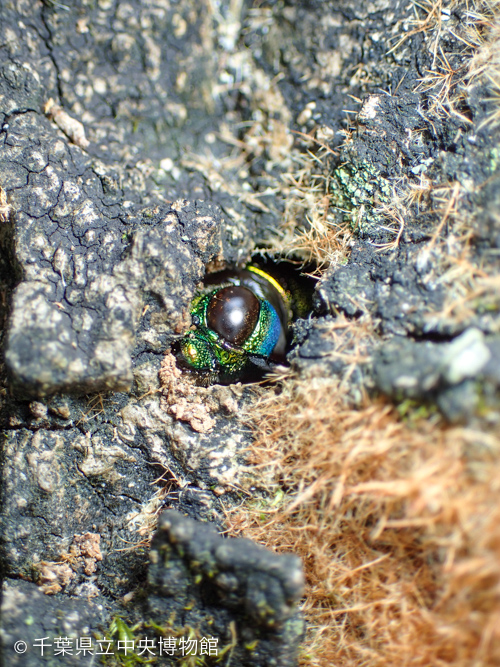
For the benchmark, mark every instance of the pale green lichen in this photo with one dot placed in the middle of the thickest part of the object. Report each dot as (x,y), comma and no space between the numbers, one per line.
(358,190)
(494,158)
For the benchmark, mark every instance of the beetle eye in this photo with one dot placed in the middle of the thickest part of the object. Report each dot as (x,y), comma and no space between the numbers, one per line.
(233,313)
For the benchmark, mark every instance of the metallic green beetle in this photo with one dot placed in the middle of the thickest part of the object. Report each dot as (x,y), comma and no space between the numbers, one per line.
(240,326)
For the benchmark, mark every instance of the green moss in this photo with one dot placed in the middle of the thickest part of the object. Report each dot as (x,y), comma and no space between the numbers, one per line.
(487,398)
(227,651)
(411,410)
(119,631)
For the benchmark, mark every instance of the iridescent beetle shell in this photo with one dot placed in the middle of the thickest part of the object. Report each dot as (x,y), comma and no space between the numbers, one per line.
(240,325)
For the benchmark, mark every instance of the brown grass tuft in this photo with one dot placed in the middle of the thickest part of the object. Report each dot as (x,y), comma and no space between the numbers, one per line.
(450,255)
(311,230)
(397,522)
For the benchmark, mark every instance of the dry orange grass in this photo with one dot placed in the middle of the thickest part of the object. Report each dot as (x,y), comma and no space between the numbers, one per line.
(398,525)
